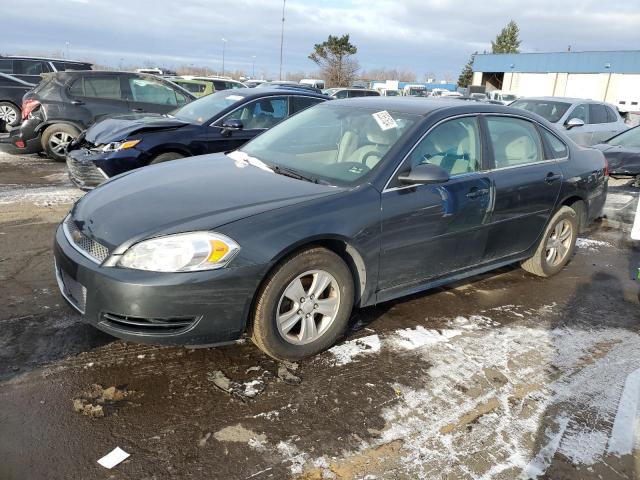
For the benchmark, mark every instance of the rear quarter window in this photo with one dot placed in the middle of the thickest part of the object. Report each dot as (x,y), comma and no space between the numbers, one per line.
(597,113)
(557,148)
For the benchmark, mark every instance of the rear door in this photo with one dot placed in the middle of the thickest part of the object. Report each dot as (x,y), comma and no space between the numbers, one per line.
(93,97)
(429,231)
(525,183)
(152,95)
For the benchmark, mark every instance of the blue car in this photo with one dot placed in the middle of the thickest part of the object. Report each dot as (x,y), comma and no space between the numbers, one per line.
(219,122)
(346,204)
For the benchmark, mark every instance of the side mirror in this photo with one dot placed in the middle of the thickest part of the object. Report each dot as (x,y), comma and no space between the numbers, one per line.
(423,174)
(231,125)
(573,122)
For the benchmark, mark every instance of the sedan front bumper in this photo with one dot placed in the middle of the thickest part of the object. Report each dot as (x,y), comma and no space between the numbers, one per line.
(190,308)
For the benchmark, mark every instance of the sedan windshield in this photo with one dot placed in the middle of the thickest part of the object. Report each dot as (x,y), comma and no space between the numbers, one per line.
(628,139)
(203,109)
(549,110)
(336,144)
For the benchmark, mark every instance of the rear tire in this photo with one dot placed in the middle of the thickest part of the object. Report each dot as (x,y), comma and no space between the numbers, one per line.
(9,115)
(56,138)
(286,327)
(557,245)
(165,157)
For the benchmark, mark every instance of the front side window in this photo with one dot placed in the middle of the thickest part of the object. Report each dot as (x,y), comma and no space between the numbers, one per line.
(335,143)
(97,87)
(342,94)
(147,90)
(453,145)
(580,112)
(551,111)
(515,142)
(6,66)
(261,114)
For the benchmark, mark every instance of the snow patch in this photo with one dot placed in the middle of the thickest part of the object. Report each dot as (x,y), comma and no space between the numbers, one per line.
(413,338)
(41,196)
(591,244)
(346,352)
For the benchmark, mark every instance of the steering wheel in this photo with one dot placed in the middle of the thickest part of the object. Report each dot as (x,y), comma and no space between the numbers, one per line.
(370,154)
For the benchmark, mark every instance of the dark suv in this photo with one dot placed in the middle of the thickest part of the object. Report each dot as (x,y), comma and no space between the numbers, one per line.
(65,103)
(18,75)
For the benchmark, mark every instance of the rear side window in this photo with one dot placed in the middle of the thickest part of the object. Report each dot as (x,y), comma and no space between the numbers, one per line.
(97,87)
(515,142)
(147,90)
(371,94)
(597,113)
(6,66)
(611,115)
(558,148)
(219,85)
(341,94)
(29,67)
(301,103)
(193,87)
(356,93)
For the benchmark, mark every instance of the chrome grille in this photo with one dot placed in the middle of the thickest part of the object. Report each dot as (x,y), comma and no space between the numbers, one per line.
(85,245)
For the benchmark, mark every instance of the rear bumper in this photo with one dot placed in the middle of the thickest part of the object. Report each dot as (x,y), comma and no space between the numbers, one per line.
(24,139)
(193,308)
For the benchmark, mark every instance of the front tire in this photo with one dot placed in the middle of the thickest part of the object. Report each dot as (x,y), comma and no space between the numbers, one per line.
(557,245)
(304,305)
(56,138)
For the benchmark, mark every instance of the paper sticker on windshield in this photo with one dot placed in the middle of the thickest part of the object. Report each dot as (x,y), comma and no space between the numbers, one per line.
(384,120)
(235,98)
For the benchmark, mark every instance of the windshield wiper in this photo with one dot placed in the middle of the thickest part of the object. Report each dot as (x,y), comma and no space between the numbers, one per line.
(288,172)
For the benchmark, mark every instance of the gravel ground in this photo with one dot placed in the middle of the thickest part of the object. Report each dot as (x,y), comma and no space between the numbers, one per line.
(502,376)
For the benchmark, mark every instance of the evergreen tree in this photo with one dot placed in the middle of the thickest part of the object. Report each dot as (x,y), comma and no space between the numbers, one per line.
(507,41)
(466,76)
(334,57)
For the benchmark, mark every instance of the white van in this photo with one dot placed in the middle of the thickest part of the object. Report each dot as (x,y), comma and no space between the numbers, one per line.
(502,96)
(314,82)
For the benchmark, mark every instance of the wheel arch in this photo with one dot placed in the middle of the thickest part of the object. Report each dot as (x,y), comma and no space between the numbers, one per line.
(44,125)
(579,204)
(172,148)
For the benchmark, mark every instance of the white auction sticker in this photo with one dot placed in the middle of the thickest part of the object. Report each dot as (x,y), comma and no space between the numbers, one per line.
(384,120)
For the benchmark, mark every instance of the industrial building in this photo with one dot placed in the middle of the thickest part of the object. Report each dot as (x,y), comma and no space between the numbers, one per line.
(612,76)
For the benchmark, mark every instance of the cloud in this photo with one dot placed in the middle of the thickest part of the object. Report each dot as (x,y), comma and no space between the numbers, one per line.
(422,35)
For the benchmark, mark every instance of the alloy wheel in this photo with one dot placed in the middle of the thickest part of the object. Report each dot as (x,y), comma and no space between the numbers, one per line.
(8,114)
(308,307)
(59,141)
(559,243)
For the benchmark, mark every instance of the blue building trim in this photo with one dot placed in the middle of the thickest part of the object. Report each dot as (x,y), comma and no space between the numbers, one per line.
(627,61)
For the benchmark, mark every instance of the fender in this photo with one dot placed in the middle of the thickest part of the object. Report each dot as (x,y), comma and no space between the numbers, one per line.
(40,128)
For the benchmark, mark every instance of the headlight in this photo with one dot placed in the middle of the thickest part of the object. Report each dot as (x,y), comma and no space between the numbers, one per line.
(113,146)
(184,252)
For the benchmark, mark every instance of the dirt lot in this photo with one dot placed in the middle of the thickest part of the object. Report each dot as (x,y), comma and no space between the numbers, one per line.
(501,377)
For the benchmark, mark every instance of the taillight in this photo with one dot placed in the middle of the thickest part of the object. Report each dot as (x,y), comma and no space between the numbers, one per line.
(29,106)
(606,167)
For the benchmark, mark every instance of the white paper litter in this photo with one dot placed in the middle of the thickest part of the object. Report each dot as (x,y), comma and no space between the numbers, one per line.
(113,458)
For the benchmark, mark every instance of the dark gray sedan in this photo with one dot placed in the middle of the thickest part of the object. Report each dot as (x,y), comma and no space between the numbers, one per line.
(346,204)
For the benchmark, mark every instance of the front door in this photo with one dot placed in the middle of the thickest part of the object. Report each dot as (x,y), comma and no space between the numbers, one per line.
(430,231)
(525,183)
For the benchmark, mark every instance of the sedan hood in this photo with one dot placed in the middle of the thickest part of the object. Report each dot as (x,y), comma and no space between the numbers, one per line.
(117,128)
(198,193)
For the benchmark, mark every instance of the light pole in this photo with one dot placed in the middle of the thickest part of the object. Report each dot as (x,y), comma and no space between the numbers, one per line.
(224,44)
(253,68)
(284,2)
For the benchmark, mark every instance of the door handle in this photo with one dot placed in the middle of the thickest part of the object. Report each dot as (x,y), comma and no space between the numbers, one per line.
(77,102)
(477,193)
(552,177)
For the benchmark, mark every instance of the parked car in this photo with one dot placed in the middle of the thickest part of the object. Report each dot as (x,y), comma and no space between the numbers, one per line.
(350,92)
(18,75)
(314,82)
(217,83)
(479,96)
(346,204)
(623,153)
(199,88)
(253,83)
(586,122)
(219,122)
(288,84)
(65,103)
(502,96)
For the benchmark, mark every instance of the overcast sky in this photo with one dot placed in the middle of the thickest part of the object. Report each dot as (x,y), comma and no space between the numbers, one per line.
(421,35)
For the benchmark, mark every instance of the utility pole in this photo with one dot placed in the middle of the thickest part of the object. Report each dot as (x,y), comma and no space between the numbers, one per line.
(253,68)
(284,2)
(224,44)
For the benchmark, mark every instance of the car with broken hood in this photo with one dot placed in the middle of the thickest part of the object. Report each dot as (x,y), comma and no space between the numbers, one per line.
(219,122)
(66,103)
(346,204)
(623,153)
